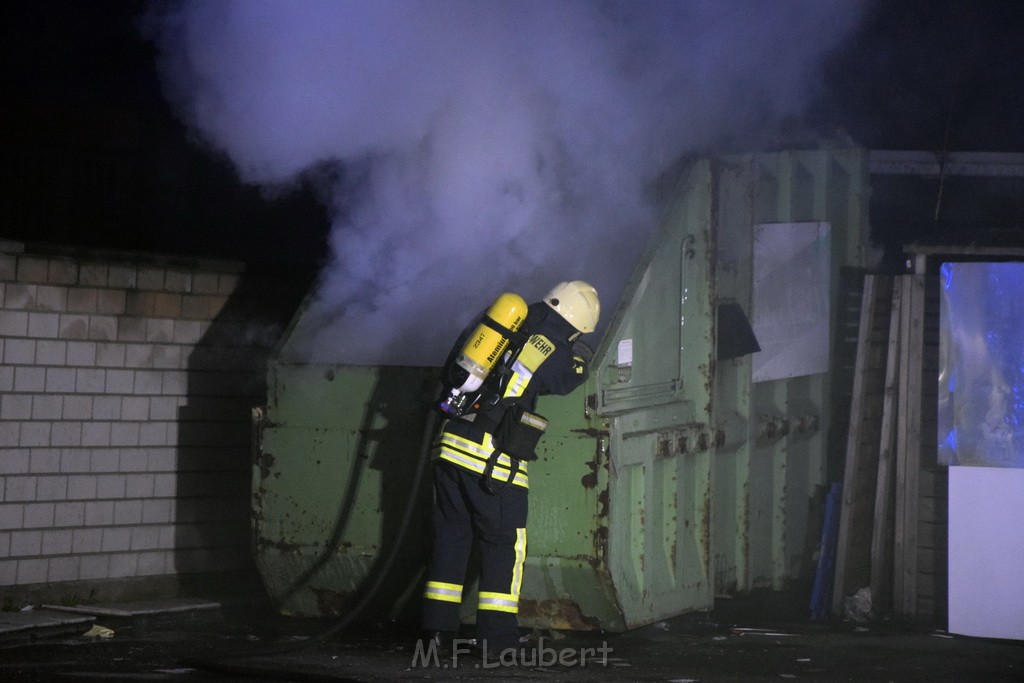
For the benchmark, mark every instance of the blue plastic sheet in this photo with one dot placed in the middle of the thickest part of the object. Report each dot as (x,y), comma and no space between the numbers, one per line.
(821,593)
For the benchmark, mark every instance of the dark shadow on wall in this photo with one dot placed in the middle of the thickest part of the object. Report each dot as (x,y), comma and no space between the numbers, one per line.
(393,437)
(402,448)
(225,379)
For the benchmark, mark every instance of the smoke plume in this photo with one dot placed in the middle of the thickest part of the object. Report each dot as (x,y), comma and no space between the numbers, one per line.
(479,146)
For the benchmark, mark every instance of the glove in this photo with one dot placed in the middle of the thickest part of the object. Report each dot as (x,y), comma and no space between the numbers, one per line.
(583,352)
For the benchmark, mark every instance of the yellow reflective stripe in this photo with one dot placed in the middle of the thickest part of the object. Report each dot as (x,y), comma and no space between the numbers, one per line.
(473,456)
(481,451)
(520,378)
(473,448)
(535,421)
(517,568)
(499,602)
(499,473)
(468,463)
(446,592)
(445,586)
(535,352)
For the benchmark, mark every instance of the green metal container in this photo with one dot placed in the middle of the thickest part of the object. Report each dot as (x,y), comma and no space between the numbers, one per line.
(673,475)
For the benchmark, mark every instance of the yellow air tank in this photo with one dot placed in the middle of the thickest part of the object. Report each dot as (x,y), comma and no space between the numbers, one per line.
(483,349)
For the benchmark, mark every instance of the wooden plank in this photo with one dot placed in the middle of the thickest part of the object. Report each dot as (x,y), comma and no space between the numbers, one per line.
(882,536)
(852,570)
(899,501)
(913,416)
(853,438)
(908,452)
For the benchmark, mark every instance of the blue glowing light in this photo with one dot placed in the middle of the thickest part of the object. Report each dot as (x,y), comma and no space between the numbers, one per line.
(981,405)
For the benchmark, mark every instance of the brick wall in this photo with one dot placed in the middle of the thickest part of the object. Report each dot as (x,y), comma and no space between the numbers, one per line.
(126,385)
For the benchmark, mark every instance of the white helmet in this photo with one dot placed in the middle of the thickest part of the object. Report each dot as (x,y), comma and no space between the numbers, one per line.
(577,302)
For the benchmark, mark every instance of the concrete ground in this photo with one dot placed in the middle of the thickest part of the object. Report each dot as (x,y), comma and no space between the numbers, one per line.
(753,638)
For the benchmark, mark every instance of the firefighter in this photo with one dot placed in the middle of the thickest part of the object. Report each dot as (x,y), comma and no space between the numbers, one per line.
(480,473)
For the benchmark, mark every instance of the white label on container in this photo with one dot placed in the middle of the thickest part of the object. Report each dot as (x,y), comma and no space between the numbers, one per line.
(625,352)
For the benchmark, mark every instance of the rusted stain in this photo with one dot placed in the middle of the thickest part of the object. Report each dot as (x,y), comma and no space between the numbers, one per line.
(702,441)
(707,371)
(332,603)
(591,432)
(256,513)
(705,530)
(561,614)
(690,252)
(682,445)
(281,545)
(600,544)
(602,504)
(266,463)
(589,480)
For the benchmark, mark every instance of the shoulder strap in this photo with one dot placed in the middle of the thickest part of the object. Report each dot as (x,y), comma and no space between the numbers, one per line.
(516,337)
(496,380)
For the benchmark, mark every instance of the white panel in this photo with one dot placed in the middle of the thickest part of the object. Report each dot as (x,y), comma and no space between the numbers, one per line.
(986,552)
(792,266)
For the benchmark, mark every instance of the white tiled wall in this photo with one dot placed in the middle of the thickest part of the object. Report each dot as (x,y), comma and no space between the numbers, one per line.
(121,454)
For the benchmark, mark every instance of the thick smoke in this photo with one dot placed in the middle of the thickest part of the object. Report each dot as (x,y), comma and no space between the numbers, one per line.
(479,146)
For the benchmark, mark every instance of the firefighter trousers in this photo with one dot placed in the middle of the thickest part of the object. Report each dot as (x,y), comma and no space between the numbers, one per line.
(465,510)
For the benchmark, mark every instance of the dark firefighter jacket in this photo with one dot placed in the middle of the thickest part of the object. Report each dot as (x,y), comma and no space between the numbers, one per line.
(546,365)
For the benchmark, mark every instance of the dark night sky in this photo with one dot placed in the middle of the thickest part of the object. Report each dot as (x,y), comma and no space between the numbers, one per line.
(92,156)
(918,67)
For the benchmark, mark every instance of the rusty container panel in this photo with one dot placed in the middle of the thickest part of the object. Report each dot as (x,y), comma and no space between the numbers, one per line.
(770,469)
(653,377)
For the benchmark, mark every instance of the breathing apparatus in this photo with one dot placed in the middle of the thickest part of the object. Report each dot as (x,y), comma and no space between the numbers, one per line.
(481,352)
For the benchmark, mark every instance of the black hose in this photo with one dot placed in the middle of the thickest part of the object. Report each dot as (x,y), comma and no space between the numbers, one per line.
(220,665)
